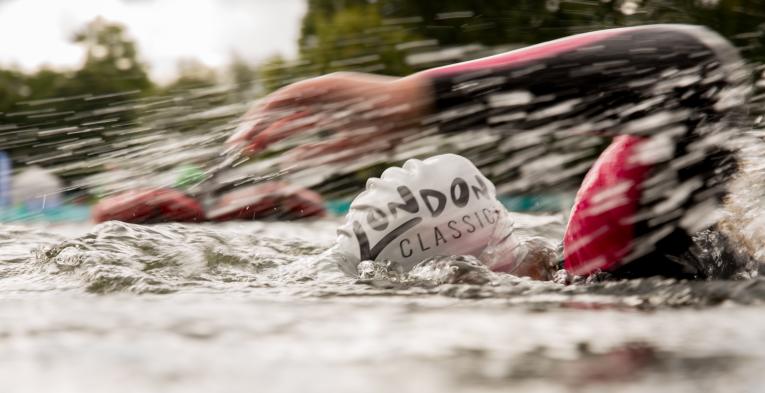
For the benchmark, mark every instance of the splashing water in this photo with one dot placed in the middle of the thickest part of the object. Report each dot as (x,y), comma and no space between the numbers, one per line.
(120,300)
(226,307)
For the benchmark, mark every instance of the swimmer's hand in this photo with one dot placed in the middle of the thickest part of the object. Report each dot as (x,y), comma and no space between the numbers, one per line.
(354,108)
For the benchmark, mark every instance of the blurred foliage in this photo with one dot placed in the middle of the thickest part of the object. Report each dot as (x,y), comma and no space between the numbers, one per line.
(276,72)
(111,62)
(57,118)
(192,74)
(46,113)
(111,65)
(243,75)
(355,37)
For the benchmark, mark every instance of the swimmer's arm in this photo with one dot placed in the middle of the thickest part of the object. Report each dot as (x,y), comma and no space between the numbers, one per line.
(608,80)
(594,78)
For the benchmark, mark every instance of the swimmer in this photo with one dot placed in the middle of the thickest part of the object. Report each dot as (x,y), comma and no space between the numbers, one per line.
(671,97)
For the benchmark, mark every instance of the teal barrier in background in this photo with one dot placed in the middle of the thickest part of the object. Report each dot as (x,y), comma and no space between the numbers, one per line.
(338,207)
(540,203)
(62,213)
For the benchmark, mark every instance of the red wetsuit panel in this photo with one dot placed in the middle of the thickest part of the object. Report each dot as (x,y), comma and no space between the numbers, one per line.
(601,228)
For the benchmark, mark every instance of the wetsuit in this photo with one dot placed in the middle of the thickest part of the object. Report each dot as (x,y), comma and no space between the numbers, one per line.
(670,95)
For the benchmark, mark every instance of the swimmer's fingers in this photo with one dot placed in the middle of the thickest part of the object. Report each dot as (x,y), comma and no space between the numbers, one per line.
(348,115)
(305,93)
(253,122)
(283,104)
(290,125)
(344,100)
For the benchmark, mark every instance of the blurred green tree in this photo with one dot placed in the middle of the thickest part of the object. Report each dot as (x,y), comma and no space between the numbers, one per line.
(192,74)
(57,117)
(341,35)
(276,72)
(13,88)
(244,77)
(111,62)
(355,38)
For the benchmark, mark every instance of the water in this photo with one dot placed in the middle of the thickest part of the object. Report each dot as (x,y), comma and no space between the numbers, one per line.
(242,306)
(262,307)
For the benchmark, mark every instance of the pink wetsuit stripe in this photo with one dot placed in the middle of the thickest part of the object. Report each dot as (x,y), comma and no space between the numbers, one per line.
(538,51)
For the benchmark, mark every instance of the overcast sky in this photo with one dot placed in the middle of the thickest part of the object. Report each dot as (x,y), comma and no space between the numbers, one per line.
(36,32)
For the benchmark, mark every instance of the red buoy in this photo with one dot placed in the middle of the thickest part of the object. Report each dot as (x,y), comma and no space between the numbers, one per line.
(270,200)
(149,206)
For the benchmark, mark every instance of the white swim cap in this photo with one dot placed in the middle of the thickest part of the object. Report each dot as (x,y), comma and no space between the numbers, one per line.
(440,206)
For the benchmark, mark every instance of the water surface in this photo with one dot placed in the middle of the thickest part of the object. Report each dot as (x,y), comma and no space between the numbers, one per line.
(258,306)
